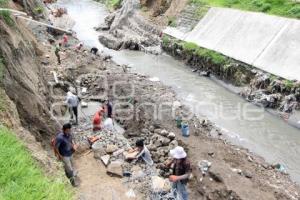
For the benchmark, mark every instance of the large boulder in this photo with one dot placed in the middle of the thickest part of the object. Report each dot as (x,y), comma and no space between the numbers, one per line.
(115,168)
(110,41)
(98,150)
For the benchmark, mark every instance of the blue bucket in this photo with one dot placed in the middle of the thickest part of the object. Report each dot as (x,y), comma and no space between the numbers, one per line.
(185,130)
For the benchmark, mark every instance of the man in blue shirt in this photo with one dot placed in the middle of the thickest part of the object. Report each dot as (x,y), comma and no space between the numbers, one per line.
(65,148)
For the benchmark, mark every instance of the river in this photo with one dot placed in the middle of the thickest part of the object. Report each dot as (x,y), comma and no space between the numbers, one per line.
(244,123)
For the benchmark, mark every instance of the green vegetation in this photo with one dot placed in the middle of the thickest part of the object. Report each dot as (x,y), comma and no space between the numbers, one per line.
(38,10)
(172,21)
(20,178)
(288,84)
(166,40)
(273,78)
(3,3)
(111,4)
(287,8)
(214,57)
(6,16)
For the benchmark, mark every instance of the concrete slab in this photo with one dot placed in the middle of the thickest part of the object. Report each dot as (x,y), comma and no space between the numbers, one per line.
(282,57)
(213,27)
(250,34)
(267,42)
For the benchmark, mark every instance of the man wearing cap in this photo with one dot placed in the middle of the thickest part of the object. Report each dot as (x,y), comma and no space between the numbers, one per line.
(181,172)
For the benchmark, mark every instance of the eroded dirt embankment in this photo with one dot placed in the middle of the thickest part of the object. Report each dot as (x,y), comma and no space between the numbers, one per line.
(23,94)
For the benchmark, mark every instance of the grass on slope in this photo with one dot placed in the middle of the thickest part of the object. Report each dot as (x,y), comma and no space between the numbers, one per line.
(20,177)
(287,8)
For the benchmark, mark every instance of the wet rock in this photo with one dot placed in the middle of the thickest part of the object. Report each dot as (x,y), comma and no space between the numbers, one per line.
(205,73)
(111,148)
(109,19)
(102,27)
(110,41)
(115,168)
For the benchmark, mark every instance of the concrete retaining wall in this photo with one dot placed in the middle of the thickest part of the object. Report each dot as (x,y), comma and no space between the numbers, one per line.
(267,42)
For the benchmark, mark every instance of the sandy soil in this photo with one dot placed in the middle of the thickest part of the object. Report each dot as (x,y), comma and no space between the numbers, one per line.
(95,184)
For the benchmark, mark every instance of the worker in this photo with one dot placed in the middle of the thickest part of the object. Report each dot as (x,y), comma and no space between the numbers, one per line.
(64,148)
(65,40)
(142,153)
(73,103)
(107,107)
(78,46)
(57,52)
(181,168)
(94,50)
(97,120)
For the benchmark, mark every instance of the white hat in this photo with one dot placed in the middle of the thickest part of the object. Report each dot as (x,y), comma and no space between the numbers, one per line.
(178,153)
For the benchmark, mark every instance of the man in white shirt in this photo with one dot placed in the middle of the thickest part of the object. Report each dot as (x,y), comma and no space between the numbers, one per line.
(72,102)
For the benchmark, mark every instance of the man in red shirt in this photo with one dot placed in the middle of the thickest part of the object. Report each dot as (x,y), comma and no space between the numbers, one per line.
(97,120)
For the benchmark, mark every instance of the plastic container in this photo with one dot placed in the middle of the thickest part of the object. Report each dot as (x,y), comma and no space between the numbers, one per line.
(185,130)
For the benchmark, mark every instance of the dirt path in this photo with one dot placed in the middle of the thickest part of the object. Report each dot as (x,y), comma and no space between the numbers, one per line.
(95,184)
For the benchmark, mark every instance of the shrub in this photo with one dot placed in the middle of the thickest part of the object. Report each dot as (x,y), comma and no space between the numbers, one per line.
(190,46)
(172,21)
(288,84)
(39,10)
(6,16)
(295,11)
(166,40)
(217,58)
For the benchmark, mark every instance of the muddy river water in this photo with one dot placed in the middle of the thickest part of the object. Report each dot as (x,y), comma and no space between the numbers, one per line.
(244,123)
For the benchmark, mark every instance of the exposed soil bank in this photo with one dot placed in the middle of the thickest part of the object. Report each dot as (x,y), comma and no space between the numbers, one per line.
(258,87)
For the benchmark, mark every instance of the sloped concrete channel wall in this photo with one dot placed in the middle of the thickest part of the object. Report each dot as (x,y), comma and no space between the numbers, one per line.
(267,42)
